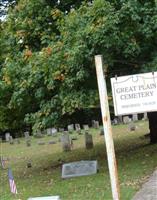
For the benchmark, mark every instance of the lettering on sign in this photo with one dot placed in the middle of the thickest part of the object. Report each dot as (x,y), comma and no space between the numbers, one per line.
(135,93)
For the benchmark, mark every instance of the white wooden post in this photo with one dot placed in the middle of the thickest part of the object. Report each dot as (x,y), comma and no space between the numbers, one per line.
(107,127)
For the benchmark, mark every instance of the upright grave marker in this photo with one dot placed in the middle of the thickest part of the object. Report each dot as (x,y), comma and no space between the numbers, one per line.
(107,127)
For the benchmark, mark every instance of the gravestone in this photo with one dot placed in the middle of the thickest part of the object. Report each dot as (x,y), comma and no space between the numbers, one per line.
(93,123)
(71,128)
(115,121)
(145,117)
(61,130)
(134,117)
(86,127)
(26,134)
(7,137)
(66,141)
(17,141)
(52,142)
(88,141)
(131,126)
(28,142)
(41,143)
(54,132)
(81,168)
(11,141)
(45,198)
(49,133)
(120,119)
(96,125)
(126,120)
(38,134)
(78,128)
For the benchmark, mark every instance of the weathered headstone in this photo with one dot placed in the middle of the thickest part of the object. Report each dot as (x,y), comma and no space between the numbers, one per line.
(61,130)
(41,143)
(17,141)
(54,131)
(28,142)
(82,168)
(52,142)
(131,126)
(45,198)
(134,117)
(26,134)
(86,127)
(38,134)
(93,123)
(145,117)
(7,137)
(126,120)
(78,128)
(115,121)
(96,125)
(66,141)
(49,133)
(120,119)
(71,128)
(88,141)
(11,141)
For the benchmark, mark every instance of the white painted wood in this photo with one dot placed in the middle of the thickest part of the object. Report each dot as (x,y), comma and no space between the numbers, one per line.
(107,128)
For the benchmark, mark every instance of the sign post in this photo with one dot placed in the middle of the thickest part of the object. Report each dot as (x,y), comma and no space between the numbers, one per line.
(107,128)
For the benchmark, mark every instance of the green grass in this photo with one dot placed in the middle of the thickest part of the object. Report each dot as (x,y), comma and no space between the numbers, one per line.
(135,157)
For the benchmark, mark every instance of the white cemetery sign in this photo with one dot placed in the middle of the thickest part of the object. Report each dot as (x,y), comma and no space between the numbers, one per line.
(135,93)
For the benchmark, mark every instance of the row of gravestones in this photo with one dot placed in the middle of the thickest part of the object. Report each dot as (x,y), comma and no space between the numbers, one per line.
(77,127)
(67,142)
(70,128)
(127,119)
(53,131)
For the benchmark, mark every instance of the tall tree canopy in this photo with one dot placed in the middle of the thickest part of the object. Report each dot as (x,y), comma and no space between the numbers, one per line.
(47,65)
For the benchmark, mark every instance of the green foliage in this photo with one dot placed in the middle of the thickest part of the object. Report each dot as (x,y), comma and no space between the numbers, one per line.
(47,66)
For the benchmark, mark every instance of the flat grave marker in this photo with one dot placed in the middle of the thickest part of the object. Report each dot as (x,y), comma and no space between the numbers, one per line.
(45,198)
(80,168)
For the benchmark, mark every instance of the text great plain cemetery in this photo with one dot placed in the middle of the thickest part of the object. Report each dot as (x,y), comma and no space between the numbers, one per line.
(139,91)
(135,93)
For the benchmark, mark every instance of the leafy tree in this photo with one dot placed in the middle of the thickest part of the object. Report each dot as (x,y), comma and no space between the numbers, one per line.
(50,62)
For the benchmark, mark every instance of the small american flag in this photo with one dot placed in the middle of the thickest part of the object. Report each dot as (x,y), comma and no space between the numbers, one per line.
(12,182)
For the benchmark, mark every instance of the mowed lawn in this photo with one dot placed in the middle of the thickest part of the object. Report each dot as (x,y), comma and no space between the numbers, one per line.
(135,157)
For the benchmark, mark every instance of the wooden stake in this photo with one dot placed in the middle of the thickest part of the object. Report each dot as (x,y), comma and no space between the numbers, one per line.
(107,128)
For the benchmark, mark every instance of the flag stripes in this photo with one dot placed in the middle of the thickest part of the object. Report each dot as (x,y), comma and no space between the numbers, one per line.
(12,182)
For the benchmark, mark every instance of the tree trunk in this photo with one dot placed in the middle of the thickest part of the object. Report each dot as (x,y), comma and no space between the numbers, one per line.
(152,116)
